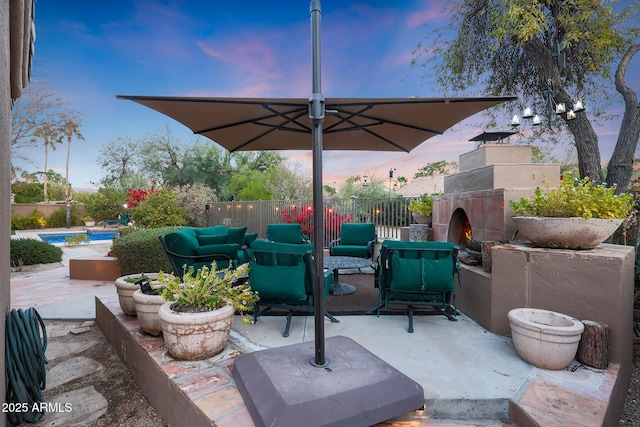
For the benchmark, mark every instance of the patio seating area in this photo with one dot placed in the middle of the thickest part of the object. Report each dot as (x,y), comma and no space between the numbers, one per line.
(470,376)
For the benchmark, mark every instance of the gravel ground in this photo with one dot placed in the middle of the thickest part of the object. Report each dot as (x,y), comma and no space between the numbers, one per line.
(631,410)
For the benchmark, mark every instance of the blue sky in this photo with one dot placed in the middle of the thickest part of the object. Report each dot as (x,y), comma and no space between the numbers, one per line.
(89,52)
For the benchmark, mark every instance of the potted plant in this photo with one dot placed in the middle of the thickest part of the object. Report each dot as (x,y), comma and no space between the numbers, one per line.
(577,215)
(89,221)
(147,300)
(196,319)
(422,208)
(126,287)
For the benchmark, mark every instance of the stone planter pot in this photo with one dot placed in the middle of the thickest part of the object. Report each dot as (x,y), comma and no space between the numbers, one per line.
(545,339)
(195,336)
(566,233)
(89,223)
(125,292)
(421,219)
(147,307)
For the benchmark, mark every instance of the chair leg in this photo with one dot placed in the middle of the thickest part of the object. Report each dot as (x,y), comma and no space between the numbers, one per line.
(330,317)
(286,328)
(410,314)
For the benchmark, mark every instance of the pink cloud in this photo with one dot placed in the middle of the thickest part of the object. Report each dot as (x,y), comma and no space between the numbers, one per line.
(434,11)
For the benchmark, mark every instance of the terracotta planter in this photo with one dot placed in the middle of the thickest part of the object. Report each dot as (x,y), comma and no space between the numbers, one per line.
(421,219)
(147,307)
(566,233)
(126,290)
(195,336)
(543,338)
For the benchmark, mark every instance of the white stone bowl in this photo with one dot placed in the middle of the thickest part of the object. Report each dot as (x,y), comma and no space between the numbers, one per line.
(566,233)
(543,338)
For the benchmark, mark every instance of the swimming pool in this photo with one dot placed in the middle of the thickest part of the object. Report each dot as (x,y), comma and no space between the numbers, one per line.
(94,236)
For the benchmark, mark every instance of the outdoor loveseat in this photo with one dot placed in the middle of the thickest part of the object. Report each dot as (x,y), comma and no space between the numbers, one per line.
(201,246)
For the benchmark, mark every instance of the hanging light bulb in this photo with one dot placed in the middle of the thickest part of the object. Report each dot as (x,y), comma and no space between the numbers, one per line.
(571,115)
(515,121)
(578,106)
(527,113)
(536,120)
(561,108)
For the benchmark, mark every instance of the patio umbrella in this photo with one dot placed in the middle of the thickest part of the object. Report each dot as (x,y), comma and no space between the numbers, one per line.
(317,124)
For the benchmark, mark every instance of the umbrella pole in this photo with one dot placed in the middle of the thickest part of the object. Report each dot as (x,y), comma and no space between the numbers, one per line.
(316,115)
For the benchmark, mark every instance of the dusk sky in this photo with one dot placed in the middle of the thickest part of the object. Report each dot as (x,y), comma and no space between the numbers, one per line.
(89,52)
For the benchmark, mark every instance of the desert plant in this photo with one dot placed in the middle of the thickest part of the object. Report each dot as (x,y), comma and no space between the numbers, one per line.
(141,251)
(423,205)
(208,289)
(105,203)
(193,199)
(24,251)
(34,221)
(575,198)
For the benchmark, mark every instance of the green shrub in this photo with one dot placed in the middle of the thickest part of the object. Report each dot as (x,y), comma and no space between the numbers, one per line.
(59,218)
(34,221)
(142,252)
(33,251)
(28,192)
(106,203)
(159,209)
(193,198)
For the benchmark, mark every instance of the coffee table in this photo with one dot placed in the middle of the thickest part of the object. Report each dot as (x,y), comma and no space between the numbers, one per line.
(336,263)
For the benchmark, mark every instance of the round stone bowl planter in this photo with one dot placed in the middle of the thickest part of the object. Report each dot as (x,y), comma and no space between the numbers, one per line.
(545,339)
(125,292)
(147,307)
(421,219)
(566,233)
(195,336)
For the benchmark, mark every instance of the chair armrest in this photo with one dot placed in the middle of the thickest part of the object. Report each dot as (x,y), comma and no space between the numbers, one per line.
(334,243)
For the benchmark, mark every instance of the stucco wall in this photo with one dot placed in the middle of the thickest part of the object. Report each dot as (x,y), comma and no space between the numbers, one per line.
(5,193)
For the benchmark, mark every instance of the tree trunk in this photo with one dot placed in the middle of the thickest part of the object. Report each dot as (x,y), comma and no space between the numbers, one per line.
(586,142)
(620,166)
(593,349)
(67,189)
(46,177)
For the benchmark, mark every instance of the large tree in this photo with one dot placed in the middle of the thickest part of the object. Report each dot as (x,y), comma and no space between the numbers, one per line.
(70,128)
(535,49)
(36,111)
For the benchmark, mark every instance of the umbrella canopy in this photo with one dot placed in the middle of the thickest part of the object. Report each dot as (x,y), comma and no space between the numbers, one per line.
(374,124)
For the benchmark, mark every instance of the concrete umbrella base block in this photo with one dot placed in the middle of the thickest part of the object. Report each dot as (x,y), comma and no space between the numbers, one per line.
(281,387)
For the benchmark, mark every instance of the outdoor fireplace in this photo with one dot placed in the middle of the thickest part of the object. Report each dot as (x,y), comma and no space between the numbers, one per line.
(475,203)
(460,231)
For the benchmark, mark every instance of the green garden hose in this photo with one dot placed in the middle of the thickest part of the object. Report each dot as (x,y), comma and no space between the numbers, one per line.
(25,360)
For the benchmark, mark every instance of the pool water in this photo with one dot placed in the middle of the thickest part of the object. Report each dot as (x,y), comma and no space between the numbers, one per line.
(94,236)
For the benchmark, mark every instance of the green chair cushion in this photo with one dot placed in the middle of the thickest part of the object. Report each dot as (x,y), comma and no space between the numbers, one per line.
(357,234)
(264,249)
(236,235)
(285,283)
(214,239)
(285,233)
(249,238)
(209,231)
(228,250)
(354,251)
(182,241)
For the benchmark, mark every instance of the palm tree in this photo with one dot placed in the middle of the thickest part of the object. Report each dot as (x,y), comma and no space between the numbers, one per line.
(50,135)
(70,128)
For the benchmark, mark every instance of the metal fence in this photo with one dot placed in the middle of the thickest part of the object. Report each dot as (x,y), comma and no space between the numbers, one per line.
(388,214)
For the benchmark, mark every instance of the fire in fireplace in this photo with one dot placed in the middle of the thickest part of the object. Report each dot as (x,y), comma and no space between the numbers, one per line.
(460,228)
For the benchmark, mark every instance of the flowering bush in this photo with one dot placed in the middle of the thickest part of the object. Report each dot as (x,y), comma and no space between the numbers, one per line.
(304,216)
(209,289)
(575,198)
(134,197)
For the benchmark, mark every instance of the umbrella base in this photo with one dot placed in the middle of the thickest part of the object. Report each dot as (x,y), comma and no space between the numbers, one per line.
(281,387)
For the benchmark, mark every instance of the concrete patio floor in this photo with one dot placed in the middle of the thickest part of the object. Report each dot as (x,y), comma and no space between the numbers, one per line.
(470,376)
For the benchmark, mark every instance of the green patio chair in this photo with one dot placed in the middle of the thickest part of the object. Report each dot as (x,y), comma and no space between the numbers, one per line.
(418,274)
(355,240)
(282,274)
(286,233)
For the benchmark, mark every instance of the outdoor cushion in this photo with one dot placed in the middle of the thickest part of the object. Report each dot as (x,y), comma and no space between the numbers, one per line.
(353,250)
(229,250)
(215,239)
(278,282)
(236,235)
(249,238)
(182,241)
(285,233)
(217,229)
(357,234)
(289,255)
